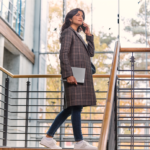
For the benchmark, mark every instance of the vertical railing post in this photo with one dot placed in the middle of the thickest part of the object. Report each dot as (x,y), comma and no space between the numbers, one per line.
(27,110)
(5,122)
(115,105)
(61,108)
(132,102)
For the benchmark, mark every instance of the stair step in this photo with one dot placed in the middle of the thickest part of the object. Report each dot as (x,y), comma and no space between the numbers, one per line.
(29,148)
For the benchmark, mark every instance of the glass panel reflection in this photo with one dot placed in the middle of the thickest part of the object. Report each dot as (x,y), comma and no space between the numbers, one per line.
(134,23)
(5,13)
(141,63)
(53,64)
(102,62)
(54,101)
(6,3)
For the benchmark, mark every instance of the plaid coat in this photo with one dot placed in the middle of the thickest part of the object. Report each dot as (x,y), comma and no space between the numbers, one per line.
(74,52)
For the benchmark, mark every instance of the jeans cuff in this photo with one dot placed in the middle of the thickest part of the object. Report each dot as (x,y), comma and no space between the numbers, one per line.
(50,134)
(78,139)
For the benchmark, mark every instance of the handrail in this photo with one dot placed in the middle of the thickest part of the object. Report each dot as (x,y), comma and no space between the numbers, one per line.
(109,100)
(45,75)
(59,75)
(139,50)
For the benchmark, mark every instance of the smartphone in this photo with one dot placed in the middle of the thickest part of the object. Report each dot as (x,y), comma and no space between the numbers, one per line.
(83,27)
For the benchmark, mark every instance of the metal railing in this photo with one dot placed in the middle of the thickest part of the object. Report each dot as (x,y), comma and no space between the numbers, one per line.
(110,137)
(133,116)
(116,117)
(108,133)
(61,136)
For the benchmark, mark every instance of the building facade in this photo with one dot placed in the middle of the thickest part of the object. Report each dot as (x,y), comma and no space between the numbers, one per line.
(23,36)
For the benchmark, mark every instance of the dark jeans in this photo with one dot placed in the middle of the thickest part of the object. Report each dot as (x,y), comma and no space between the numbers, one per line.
(75,112)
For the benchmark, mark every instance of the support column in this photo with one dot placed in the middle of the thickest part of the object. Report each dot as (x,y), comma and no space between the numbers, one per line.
(1,56)
(1,76)
(1,62)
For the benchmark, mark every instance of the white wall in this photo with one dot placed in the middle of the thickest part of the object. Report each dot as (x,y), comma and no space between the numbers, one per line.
(25,65)
(29,23)
(24,68)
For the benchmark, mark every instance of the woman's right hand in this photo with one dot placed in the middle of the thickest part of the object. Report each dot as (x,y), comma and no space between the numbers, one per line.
(72,80)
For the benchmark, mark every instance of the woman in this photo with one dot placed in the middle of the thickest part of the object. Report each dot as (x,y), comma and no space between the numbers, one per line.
(74,52)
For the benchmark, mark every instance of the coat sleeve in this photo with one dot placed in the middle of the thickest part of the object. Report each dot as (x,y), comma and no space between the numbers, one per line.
(66,39)
(90,45)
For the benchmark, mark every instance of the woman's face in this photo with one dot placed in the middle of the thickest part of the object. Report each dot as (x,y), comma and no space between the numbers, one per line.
(77,18)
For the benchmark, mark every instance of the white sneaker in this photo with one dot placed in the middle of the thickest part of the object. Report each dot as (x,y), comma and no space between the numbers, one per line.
(49,143)
(84,145)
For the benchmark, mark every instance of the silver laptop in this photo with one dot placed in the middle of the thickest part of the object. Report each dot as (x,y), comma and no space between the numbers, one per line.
(78,73)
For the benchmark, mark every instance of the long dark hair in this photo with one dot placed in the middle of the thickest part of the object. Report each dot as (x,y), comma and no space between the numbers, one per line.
(67,22)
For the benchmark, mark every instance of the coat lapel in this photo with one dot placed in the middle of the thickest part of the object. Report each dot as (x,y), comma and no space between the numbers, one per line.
(79,36)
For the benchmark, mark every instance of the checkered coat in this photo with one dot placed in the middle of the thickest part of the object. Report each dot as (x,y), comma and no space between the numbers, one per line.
(74,52)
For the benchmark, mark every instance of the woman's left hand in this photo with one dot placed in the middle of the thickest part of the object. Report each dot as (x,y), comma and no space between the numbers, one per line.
(87,30)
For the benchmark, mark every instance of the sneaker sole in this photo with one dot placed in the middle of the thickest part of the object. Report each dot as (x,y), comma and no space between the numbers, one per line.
(45,146)
(85,148)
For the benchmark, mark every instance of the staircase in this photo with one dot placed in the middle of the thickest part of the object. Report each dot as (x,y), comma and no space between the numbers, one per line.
(125,123)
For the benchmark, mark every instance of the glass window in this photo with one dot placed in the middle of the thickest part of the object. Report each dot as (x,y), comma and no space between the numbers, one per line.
(14,23)
(5,13)
(22,31)
(22,21)
(9,17)
(97,129)
(134,23)
(23,8)
(15,12)
(12,14)
(102,62)
(54,15)
(16,3)
(6,3)
(0,6)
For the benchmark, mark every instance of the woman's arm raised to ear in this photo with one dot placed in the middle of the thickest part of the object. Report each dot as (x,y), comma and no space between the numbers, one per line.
(66,40)
(90,45)
(90,40)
